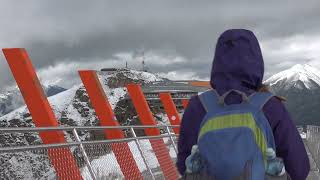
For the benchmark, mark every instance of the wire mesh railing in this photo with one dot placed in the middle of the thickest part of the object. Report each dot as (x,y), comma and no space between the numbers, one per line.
(313,143)
(93,156)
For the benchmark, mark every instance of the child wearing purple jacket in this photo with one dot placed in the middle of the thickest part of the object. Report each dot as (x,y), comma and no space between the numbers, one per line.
(238,64)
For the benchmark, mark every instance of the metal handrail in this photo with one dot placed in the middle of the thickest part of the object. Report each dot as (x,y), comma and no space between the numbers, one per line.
(81,144)
(75,128)
(313,152)
(69,144)
(70,128)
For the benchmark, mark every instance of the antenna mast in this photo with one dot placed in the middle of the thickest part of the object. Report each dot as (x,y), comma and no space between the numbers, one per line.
(143,62)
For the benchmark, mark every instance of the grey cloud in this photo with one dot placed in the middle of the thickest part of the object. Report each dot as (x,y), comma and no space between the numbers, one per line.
(61,31)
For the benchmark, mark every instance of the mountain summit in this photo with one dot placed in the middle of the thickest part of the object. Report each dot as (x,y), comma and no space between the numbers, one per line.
(299,76)
(301,86)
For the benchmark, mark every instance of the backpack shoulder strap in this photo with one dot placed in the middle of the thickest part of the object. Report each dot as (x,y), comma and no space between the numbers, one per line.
(259,99)
(210,100)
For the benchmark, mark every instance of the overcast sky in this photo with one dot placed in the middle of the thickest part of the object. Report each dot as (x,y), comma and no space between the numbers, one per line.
(178,37)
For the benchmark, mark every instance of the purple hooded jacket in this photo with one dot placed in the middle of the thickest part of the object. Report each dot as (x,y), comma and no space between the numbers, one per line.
(238,64)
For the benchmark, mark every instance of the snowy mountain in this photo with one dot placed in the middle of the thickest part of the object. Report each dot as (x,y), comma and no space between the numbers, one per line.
(301,86)
(71,108)
(299,76)
(12,99)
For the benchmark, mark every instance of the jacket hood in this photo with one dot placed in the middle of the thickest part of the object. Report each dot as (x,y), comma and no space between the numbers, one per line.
(238,62)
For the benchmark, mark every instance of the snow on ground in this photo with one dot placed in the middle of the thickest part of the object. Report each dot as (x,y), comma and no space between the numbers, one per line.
(60,101)
(63,100)
(3,96)
(148,77)
(148,153)
(24,170)
(16,162)
(114,95)
(17,114)
(58,104)
(72,113)
(107,166)
(104,166)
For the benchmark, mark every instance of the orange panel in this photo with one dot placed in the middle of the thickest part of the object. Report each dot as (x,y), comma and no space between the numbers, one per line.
(171,110)
(168,168)
(40,110)
(107,118)
(142,108)
(100,103)
(200,83)
(185,102)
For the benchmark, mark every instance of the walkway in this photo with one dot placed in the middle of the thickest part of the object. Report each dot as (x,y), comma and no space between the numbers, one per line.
(314,171)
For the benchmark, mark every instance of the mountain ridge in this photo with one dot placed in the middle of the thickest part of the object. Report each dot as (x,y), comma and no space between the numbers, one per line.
(300,85)
(308,75)
(12,99)
(71,108)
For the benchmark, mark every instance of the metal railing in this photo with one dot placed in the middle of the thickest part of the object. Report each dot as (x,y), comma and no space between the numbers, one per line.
(313,143)
(93,154)
(21,158)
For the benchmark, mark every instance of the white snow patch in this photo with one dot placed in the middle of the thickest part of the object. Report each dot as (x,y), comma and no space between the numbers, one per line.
(61,100)
(72,113)
(148,77)
(58,103)
(304,73)
(114,95)
(107,165)
(3,96)
(17,114)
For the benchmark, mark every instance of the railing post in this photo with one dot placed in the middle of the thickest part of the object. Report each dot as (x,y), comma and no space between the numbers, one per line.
(146,118)
(40,110)
(172,141)
(106,117)
(141,152)
(85,156)
(185,103)
(171,110)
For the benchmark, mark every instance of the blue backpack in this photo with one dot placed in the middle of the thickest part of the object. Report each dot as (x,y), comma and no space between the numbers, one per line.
(233,139)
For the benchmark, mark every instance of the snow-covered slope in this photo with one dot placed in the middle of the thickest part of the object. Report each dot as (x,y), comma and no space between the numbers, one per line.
(74,103)
(71,108)
(301,86)
(12,99)
(299,76)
